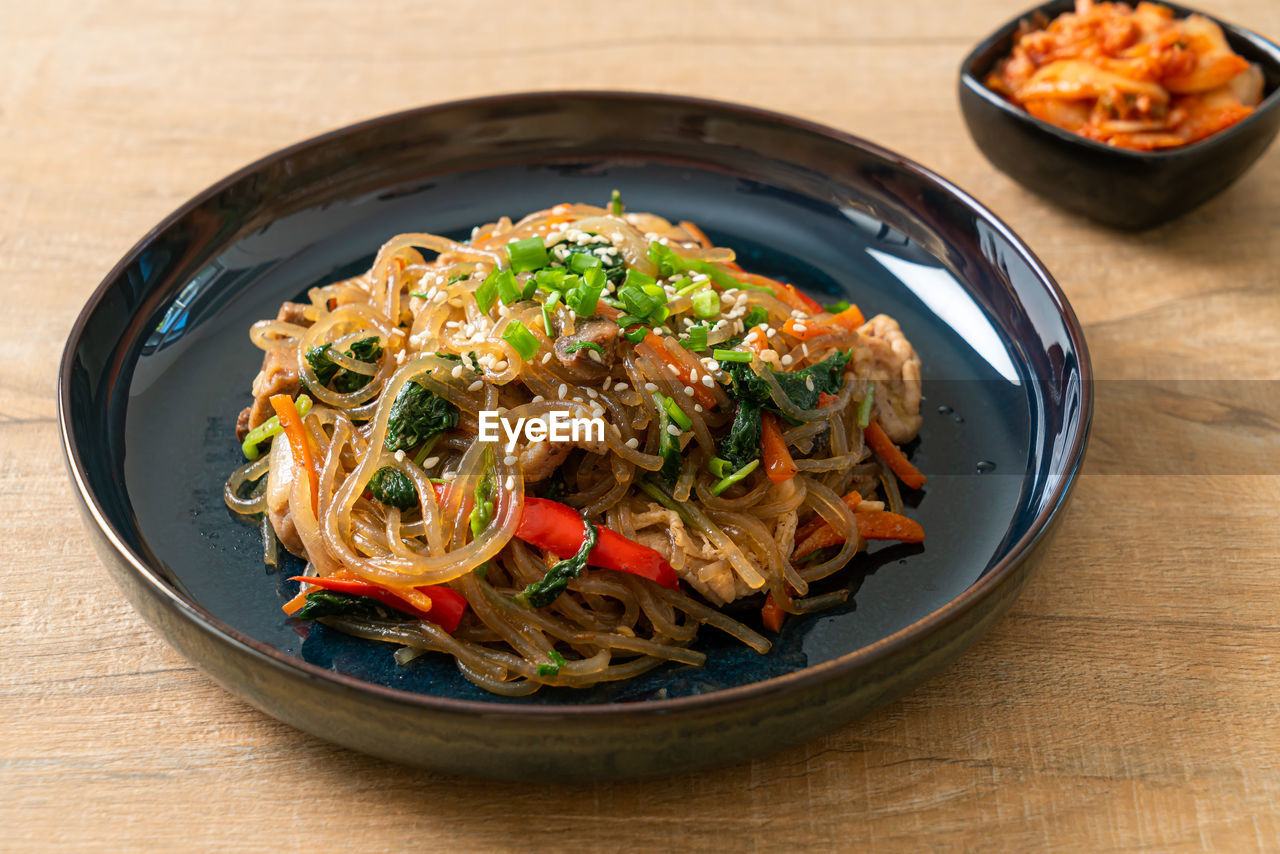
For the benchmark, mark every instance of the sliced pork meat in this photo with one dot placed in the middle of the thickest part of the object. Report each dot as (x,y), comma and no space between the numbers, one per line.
(887,357)
(279,375)
(592,344)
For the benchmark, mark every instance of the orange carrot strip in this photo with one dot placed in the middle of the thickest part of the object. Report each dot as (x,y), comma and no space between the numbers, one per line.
(295,604)
(777,459)
(900,465)
(805,328)
(700,392)
(849,319)
(872,525)
(823,537)
(771,614)
(883,525)
(299,444)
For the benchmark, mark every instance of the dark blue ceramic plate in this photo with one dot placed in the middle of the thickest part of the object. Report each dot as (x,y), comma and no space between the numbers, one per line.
(160,363)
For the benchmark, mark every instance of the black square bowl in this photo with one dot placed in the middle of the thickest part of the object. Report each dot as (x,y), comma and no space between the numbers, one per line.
(1115,186)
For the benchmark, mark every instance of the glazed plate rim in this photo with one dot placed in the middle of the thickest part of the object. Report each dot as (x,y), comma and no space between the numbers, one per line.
(266,654)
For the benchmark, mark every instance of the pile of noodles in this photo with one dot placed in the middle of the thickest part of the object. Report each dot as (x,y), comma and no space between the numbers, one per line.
(608,625)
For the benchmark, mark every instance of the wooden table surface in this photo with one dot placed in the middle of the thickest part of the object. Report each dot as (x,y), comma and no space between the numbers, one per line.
(1129,700)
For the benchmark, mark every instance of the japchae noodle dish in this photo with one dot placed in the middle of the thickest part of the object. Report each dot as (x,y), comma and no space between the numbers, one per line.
(556,450)
(1130,76)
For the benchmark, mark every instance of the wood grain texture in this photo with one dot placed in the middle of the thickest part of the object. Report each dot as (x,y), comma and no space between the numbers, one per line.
(1129,702)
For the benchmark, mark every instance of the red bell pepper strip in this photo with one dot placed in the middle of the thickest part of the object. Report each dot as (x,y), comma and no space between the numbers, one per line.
(889,452)
(447,605)
(557,528)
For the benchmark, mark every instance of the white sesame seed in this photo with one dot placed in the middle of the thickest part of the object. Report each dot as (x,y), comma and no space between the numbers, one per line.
(708,381)
(697,407)
(621,387)
(500,365)
(770,332)
(607,382)
(591,393)
(546,357)
(650,387)
(673,430)
(537,398)
(693,375)
(799,328)
(476,386)
(511,482)
(595,357)
(399,456)
(562,391)
(688,390)
(633,442)
(808,383)
(456,372)
(787,360)
(804,349)
(430,462)
(449,476)
(509,460)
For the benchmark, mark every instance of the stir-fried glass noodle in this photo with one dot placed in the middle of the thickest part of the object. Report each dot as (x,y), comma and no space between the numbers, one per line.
(724,436)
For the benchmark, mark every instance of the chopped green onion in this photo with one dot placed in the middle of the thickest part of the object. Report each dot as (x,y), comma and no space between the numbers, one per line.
(684,284)
(550,279)
(582,345)
(637,279)
(581,262)
(697,340)
(487,293)
(528,254)
(753,287)
(637,301)
(504,282)
(548,670)
(731,355)
(584,298)
(521,340)
(530,288)
(629,320)
(706,303)
(864,407)
(635,336)
(547,308)
(718,467)
(836,307)
(615,203)
(724,483)
(269,428)
(673,409)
